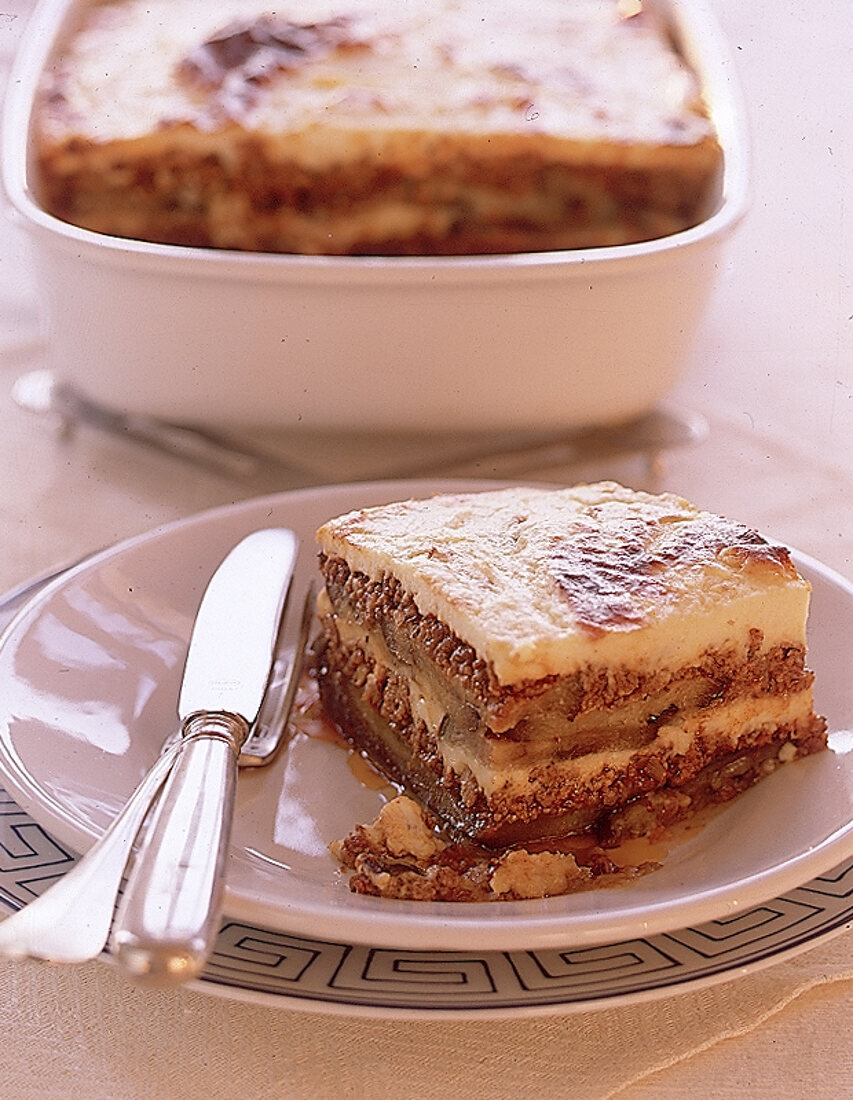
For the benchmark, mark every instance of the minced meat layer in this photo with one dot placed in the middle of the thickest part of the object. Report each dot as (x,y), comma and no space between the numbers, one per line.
(370,704)
(459,677)
(180,187)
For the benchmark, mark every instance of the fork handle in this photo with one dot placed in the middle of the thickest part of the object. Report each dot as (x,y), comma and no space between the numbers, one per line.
(169,915)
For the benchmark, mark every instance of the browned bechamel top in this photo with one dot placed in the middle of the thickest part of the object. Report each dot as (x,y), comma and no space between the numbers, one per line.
(248,53)
(586,71)
(611,582)
(542,581)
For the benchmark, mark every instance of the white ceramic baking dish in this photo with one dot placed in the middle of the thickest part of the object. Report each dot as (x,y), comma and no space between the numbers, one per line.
(545,339)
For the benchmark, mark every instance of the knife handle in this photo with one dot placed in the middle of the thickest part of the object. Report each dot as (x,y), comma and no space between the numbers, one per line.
(170,911)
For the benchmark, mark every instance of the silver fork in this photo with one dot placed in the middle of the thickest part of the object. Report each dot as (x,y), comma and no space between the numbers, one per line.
(71,921)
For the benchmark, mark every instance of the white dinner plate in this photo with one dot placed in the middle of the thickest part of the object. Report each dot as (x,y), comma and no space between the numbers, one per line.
(89,675)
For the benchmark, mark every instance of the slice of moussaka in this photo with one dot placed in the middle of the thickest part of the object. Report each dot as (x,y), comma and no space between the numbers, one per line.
(533,663)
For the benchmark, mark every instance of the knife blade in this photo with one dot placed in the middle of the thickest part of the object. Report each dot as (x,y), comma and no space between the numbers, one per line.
(170,910)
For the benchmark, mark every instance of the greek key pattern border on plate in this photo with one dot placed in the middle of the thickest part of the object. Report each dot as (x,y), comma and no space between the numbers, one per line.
(317,973)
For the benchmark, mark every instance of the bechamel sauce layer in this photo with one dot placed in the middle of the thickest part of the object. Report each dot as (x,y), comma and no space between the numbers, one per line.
(589,71)
(543,582)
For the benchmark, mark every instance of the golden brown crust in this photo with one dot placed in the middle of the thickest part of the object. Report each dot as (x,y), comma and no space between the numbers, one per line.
(244,55)
(535,580)
(610,584)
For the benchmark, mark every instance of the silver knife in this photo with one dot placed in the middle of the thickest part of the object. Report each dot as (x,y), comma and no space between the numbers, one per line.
(171,907)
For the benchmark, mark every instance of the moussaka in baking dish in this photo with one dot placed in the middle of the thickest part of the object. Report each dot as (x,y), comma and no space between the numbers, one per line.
(376,126)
